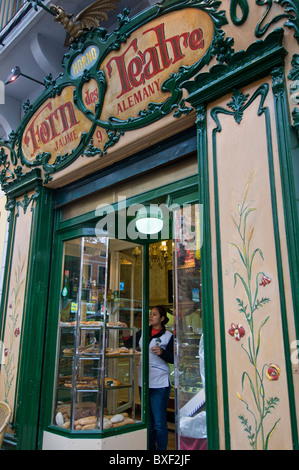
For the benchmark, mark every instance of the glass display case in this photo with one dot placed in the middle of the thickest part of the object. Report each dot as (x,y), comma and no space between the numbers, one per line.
(95,387)
(190,373)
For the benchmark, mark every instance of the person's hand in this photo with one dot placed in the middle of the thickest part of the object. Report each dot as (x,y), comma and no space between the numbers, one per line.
(157,350)
(126,333)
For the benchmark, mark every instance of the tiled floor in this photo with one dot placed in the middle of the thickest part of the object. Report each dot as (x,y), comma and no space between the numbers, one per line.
(171,440)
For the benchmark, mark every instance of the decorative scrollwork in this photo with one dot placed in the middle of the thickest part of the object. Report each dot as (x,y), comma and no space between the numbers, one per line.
(223,49)
(294,89)
(24,158)
(24,204)
(237,104)
(91,151)
(243,5)
(291,14)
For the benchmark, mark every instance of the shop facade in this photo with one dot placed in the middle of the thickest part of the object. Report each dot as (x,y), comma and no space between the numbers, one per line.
(188,108)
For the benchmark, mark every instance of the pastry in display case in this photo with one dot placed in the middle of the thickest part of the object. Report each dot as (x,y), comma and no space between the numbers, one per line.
(95,385)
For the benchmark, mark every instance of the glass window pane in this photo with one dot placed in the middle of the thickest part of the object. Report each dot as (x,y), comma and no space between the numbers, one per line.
(124,320)
(78,399)
(190,377)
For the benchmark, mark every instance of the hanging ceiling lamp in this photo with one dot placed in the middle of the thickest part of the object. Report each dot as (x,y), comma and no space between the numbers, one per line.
(149,220)
(15,73)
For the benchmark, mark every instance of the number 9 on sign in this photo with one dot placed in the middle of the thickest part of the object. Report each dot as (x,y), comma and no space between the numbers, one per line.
(99,136)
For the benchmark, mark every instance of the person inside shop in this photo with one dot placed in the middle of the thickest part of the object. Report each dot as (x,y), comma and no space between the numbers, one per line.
(161,354)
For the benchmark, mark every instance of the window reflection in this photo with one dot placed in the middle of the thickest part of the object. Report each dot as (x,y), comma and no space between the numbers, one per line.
(190,376)
(95,387)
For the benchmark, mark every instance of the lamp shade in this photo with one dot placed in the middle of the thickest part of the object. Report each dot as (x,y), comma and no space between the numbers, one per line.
(149,220)
(14,74)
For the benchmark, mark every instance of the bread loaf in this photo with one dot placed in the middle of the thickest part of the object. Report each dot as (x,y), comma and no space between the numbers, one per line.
(110,382)
(117,418)
(124,422)
(85,421)
(106,423)
(59,419)
(87,427)
(66,425)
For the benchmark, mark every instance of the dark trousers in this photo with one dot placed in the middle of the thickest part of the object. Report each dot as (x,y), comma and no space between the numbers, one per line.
(158,430)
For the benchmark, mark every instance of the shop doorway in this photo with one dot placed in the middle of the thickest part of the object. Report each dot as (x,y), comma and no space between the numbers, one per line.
(172,278)
(191,428)
(107,287)
(128,284)
(132,290)
(161,293)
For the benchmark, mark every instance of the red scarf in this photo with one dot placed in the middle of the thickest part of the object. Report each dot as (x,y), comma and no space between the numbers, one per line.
(155,332)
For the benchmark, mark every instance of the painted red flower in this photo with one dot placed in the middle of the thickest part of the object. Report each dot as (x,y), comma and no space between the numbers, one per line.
(237,331)
(265,280)
(17,332)
(5,352)
(273,372)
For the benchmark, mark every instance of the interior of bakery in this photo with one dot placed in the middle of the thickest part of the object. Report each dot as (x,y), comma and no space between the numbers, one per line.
(160,293)
(164,261)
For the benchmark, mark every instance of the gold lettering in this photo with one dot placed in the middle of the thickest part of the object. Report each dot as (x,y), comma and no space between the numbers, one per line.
(75,68)
(88,57)
(94,53)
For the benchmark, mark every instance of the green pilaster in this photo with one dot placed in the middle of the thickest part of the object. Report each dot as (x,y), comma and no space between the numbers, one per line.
(207,297)
(35,320)
(291,224)
(39,206)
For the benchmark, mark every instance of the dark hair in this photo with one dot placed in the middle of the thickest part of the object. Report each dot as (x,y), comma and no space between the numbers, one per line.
(163,313)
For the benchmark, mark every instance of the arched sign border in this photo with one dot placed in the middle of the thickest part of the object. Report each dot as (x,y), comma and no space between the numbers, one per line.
(114,127)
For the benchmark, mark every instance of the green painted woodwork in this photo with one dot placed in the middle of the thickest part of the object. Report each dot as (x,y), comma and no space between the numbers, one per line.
(238,106)
(291,222)
(241,68)
(291,15)
(262,57)
(26,413)
(11,158)
(294,87)
(244,7)
(207,282)
(145,338)
(32,355)
(233,70)
(184,191)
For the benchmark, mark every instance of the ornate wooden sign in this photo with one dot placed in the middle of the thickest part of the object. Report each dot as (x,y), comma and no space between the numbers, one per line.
(135,74)
(118,82)
(133,77)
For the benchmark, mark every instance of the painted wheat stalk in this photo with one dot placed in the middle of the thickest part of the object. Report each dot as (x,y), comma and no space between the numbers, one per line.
(258,406)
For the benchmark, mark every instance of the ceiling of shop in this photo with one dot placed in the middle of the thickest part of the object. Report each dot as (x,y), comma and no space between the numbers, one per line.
(37,48)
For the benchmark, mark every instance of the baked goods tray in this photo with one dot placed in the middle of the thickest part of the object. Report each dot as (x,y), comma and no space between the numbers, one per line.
(95,390)
(85,325)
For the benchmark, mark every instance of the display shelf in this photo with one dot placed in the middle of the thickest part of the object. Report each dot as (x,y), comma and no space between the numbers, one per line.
(103,364)
(95,374)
